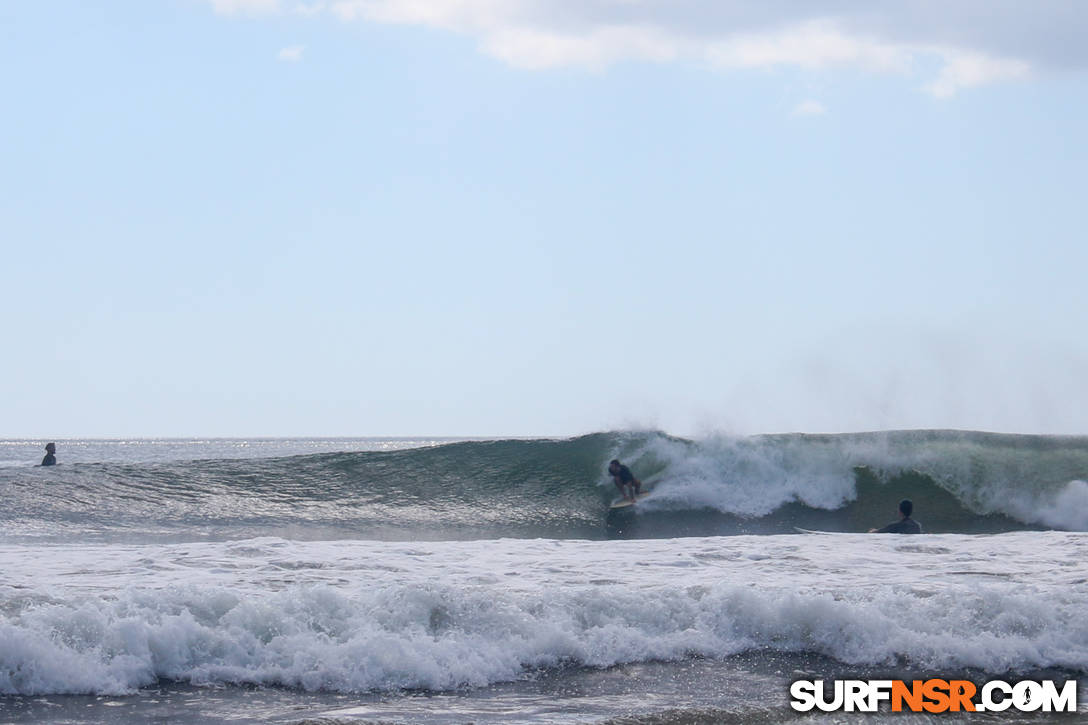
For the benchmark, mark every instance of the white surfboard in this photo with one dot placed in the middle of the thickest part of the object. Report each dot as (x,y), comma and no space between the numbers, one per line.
(624,503)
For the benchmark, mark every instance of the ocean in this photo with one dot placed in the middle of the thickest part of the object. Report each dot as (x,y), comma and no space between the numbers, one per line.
(416,580)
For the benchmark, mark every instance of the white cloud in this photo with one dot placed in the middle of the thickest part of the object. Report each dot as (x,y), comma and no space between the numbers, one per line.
(966,70)
(292,53)
(309,9)
(809,108)
(526,48)
(973,42)
(815,45)
(245,7)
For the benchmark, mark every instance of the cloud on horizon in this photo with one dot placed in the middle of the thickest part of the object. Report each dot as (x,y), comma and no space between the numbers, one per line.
(291,54)
(809,108)
(969,43)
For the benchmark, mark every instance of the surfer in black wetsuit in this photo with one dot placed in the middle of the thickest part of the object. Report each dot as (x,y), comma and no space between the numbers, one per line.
(905,524)
(50,455)
(628,485)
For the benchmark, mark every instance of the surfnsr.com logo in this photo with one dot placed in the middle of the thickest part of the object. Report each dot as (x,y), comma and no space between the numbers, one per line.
(934,696)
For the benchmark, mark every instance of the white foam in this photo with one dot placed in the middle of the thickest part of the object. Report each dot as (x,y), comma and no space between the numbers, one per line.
(749,476)
(357,616)
(753,476)
(1066,510)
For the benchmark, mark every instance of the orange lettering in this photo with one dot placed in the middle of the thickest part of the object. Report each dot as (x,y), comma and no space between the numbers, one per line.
(911,695)
(936,691)
(960,694)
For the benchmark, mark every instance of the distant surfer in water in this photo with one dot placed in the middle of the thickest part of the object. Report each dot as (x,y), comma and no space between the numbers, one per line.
(628,485)
(905,524)
(50,455)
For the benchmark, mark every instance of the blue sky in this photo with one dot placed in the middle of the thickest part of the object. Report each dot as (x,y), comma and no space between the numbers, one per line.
(427,217)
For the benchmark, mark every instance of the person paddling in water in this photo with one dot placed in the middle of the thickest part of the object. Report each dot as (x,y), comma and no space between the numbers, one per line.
(50,455)
(629,486)
(905,524)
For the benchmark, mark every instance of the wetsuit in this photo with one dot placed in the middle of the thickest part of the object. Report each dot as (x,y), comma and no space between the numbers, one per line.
(902,526)
(624,475)
(49,460)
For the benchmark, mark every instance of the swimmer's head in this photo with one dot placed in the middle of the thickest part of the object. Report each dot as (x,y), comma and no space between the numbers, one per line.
(50,447)
(906,507)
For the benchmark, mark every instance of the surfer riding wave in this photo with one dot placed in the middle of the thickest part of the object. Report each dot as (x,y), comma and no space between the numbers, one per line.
(625,481)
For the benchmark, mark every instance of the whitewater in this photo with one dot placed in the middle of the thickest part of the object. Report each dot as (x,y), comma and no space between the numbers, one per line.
(434,581)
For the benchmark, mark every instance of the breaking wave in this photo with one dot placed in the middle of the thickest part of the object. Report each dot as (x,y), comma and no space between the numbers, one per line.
(960,482)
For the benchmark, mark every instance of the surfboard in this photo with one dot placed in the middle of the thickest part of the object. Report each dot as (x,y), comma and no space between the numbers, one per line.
(625,503)
(810,531)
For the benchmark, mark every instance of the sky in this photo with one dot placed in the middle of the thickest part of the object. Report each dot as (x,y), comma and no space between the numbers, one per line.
(542,218)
